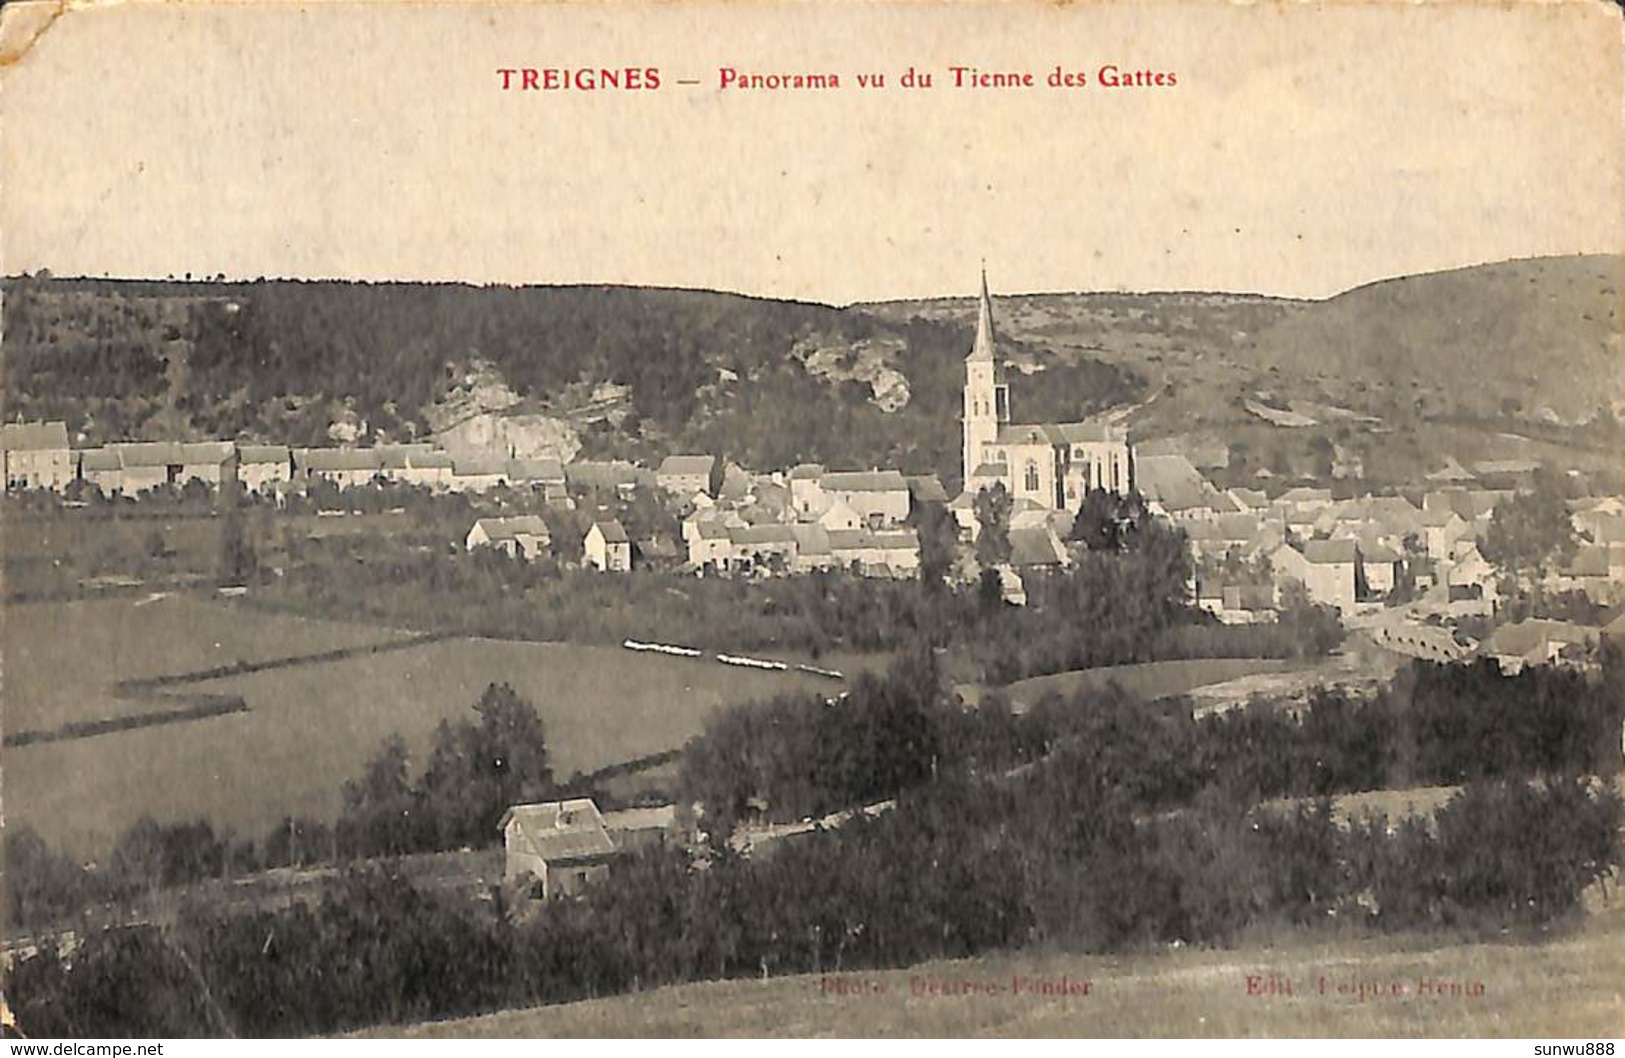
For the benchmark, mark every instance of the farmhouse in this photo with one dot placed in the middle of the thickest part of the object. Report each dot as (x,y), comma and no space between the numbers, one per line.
(560,846)
(686,475)
(212,462)
(879,498)
(607,547)
(260,468)
(1052,464)
(524,537)
(1536,642)
(36,455)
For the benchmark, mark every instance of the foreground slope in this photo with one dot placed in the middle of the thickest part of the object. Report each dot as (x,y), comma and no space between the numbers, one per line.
(1568,986)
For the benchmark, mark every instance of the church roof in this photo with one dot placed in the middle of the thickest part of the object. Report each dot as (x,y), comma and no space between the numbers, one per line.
(983,349)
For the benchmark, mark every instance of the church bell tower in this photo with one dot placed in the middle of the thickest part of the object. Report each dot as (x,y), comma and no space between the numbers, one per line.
(987,397)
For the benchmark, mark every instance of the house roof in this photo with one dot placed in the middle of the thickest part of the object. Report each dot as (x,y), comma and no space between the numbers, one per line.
(336,459)
(658,817)
(991,470)
(1372,551)
(864,481)
(1035,546)
(514,527)
(99,459)
(542,469)
(806,471)
(762,534)
(596,474)
(1330,552)
(686,466)
(926,488)
(430,461)
(811,540)
(33,436)
(1525,638)
(612,531)
(479,466)
(262,453)
(1590,560)
(207,451)
(148,453)
(560,831)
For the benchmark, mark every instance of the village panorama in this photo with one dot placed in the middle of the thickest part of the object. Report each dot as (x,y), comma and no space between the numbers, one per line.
(381,655)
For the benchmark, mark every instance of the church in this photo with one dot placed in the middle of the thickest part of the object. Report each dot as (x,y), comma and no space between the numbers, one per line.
(1051,464)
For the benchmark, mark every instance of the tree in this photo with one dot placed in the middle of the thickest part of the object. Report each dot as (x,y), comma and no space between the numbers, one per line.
(1531,531)
(992,506)
(939,540)
(238,559)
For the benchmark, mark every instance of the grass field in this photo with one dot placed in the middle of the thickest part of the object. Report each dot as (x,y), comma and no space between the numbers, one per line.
(1569,986)
(60,660)
(308,728)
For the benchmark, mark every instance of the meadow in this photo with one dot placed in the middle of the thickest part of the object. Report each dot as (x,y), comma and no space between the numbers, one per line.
(308,728)
(1149,680)
(1565,985)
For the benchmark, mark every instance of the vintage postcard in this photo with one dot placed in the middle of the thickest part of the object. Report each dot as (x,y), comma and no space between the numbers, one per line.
(812,519)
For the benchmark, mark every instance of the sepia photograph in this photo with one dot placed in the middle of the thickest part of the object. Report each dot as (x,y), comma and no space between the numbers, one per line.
(812,520)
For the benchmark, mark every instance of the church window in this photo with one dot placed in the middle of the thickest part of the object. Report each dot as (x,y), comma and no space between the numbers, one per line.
(1032,476)
(1116,484)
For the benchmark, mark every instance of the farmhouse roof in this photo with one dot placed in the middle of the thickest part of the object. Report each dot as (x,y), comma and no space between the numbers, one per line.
(1590,560)
(806,472)
(537,470)
(657,817)
(1524,638)
(560,831)
(811,540)
(33,436)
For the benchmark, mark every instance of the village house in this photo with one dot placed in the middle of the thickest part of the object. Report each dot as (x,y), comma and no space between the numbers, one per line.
(36,455)
(634,829)
(260,468)
(145,465)
(557,847)
(686,475)
(607,548)
(1379,567)
(617,478)
(523,537)
(879,497)
(344,467)
(1052,464)
(102,468)
(1537,642)
(214,463)
(807,497)
(478,473)
(885,553)
(839,514)
(1326,569)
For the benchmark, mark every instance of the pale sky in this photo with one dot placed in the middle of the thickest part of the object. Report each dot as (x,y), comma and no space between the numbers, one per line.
(1303,151)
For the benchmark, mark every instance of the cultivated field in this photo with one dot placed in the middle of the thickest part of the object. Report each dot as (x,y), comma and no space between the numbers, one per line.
(1566,987)
(308,728)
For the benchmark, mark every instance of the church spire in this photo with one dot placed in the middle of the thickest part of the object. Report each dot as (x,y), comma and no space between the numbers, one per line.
(984,350)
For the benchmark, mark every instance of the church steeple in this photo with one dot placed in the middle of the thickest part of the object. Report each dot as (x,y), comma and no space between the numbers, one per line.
(983,350)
